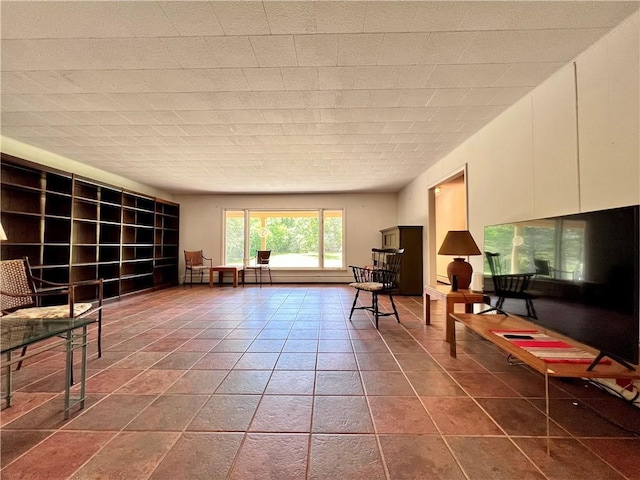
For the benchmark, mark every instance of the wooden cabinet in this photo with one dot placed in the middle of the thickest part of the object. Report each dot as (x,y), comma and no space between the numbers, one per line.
(75,229)
(409,238)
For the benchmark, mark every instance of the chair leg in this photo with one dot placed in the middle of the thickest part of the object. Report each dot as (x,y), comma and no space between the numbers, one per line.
(353,307)
(19,365)
(374,304)
(100,334)
(270,280)
(530,310)
(393,305)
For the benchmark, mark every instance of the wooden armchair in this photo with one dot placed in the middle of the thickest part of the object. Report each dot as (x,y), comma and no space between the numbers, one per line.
(22,296)
(378,278)
(195,261)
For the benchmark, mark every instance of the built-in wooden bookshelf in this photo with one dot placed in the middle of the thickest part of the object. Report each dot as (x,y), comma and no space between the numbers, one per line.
(75,229)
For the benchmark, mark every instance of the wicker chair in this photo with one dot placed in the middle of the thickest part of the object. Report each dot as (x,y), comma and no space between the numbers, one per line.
(22,296)
(378,278)
(195,261)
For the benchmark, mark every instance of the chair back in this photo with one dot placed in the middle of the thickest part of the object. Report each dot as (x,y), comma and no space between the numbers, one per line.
(15,278)
(493,259)
(193,258)
(386,265)
(509,283)
(262,257)
(542,267)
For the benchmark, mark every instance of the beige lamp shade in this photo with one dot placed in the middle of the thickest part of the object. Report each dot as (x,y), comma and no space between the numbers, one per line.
(3,236)
(459,243)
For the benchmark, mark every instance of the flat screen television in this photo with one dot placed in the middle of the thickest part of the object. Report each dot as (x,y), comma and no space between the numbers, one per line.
(585,275)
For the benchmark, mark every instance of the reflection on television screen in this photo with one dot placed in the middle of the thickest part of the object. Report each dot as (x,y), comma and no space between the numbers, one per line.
(581,275)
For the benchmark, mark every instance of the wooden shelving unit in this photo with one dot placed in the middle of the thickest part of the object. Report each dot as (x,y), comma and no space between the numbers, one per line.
(75,229)
(409,238)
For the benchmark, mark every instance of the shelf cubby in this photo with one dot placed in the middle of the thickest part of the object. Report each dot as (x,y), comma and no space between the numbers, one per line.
(81,273)
(55,254)
(22,228)
(58,183)
(20,200)
(111,288)
(109,271)
(85,209)
(14,251)
(57,204)
(57,274)
(85,232)
(108,253)
(57,230)
(110,213)
(84,254)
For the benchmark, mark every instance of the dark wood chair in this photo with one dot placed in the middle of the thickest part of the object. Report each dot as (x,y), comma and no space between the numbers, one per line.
(379,278)
(195,261)
(261,264)
(23,295)
(511,285)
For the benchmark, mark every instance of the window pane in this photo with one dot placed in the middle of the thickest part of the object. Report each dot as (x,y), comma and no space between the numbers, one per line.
(291,236)
(333,239)
(234,237)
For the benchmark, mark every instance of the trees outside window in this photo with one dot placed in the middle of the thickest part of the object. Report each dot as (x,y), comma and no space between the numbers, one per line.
(296,238)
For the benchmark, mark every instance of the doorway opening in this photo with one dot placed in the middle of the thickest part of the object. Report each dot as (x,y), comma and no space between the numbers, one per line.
(448,211)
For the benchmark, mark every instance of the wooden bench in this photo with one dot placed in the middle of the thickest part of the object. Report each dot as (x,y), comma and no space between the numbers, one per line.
(487,325)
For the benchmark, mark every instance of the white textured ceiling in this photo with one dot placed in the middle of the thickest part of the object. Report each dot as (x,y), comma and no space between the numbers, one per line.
(277,96)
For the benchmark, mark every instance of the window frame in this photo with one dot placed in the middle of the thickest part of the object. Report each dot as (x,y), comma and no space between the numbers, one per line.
(319,212)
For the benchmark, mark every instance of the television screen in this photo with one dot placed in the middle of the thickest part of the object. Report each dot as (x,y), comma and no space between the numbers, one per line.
(582,275)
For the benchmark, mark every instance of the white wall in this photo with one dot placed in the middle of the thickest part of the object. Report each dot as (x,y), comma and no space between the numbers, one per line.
(202,221)
(548,154)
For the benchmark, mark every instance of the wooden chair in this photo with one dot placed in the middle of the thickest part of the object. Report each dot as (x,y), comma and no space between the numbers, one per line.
(512,285)
(24,296)
(378,278)
(195,261)
(261,264)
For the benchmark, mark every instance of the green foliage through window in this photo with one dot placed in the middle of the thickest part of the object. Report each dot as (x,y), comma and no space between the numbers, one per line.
(295,238)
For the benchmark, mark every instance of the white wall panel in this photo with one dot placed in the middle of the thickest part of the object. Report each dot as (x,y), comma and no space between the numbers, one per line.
(609,120)
(555,146)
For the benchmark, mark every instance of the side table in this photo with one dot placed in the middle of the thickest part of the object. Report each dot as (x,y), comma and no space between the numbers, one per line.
(236,271)
(443,292)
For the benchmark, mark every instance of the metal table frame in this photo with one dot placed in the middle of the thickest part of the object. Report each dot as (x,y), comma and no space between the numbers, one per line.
(20,332)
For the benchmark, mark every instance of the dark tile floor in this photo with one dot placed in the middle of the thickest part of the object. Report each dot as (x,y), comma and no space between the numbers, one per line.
(277,383)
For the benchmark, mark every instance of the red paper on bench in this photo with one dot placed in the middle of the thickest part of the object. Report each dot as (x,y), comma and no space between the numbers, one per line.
(541,343)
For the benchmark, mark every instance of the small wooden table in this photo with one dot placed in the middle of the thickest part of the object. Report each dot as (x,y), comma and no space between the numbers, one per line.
(221,269)
(443,292)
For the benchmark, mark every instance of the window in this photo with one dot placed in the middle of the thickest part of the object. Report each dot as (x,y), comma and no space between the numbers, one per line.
(296,238)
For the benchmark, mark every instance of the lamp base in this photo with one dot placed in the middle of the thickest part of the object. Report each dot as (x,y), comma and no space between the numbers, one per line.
(463,270)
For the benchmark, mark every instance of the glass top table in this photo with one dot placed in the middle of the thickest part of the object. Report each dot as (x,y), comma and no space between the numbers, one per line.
(19,333)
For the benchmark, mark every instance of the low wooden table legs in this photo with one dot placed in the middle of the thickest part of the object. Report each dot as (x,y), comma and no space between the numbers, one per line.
(236,271)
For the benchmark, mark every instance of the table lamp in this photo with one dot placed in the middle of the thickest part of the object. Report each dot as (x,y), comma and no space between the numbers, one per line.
(459,243)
